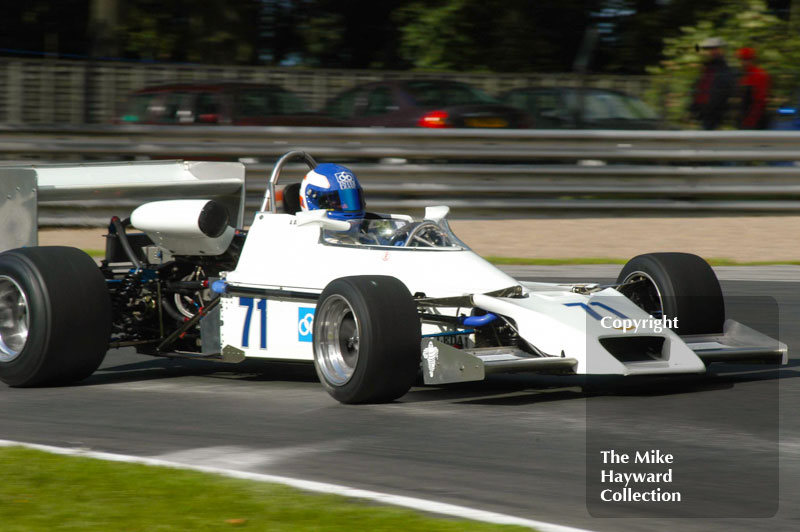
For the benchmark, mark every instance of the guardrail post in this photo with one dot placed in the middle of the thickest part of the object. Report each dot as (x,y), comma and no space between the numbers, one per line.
(14,92)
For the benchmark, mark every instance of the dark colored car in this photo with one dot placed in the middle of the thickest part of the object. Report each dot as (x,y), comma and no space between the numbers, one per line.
(422,103)
(237,104)
(560,108)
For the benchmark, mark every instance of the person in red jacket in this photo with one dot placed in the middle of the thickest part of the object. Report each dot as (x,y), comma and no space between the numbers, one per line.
(754,88)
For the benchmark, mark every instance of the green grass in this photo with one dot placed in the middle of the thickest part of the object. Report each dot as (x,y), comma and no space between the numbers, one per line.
(95,253)
(606,260)
(44,492)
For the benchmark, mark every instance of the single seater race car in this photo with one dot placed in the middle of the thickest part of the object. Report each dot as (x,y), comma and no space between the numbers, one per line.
(373,302)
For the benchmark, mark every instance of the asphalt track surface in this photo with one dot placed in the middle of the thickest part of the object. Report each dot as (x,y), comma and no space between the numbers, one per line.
(513,444)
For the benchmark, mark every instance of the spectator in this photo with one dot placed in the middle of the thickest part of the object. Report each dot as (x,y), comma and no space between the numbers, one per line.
(754,87)
(713,88)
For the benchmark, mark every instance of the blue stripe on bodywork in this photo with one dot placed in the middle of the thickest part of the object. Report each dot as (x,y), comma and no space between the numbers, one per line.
(591,312)
(611,310)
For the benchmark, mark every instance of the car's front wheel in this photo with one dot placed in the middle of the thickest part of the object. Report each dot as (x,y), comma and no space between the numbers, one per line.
(366,339)
(55,316)
(675,285)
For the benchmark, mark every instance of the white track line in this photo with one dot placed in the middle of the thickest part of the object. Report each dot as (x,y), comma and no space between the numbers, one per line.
(310,485)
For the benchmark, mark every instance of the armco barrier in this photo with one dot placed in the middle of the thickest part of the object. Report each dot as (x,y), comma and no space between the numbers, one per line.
(477,172)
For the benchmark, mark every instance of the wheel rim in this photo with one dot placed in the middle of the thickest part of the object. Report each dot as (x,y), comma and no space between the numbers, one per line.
(337,340)
(643,291)
(14,321)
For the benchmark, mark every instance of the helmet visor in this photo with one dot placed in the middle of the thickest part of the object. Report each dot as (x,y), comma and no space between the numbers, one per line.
(348,200)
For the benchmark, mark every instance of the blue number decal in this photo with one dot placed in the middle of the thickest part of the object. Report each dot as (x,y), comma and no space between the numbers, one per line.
(246,302)
(262,308)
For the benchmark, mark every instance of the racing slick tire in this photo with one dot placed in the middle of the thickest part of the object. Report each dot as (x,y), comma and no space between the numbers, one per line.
(676,285)
(55,316)
(366,339)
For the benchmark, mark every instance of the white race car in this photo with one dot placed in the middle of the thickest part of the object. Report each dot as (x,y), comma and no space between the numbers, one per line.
(373,302)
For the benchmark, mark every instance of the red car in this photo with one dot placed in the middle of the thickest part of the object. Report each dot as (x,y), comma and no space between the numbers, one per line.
(423,103)
(234,103)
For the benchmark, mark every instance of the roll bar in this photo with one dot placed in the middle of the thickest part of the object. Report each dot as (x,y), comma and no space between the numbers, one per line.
(276,171)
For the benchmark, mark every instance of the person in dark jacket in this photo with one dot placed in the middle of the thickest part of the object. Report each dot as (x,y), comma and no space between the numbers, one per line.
(754,87)
(714,87)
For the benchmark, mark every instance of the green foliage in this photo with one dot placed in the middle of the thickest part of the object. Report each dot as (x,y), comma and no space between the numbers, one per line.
(739,24)
(351,34)
(47,492)
(185,30)
(45,26)
(512,36)
(438,36)
(459,35)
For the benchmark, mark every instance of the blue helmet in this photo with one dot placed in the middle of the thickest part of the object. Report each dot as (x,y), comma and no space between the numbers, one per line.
(334,188)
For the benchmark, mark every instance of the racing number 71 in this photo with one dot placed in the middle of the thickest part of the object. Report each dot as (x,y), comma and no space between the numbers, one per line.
(248,302)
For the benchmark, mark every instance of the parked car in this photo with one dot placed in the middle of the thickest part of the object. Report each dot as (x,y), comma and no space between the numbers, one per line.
(560,108)
(422,103)
(232,103)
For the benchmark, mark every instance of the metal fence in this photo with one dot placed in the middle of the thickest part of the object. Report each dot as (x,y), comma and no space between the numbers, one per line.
(50,91)
(477,172)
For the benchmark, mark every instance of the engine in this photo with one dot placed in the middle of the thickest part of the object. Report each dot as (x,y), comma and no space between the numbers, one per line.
(159,279)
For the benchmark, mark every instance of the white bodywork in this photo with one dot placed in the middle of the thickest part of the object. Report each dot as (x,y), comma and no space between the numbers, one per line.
(287,253)
(268,300)
(174,226)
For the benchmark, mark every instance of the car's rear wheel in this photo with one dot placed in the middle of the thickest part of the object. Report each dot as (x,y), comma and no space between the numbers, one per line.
(366,339)
(55,316)
(675,285)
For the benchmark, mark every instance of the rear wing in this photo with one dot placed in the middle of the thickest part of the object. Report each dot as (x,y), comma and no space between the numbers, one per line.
(76,187)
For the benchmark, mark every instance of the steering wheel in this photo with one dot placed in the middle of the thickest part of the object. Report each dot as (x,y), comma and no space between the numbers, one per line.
(414,232)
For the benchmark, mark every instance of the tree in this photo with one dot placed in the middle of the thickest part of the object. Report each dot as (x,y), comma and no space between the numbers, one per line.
(185,30)
(541,36)
(632,31)
(278,38)
(742,24)
(349,34)
(36,26)
(512,36)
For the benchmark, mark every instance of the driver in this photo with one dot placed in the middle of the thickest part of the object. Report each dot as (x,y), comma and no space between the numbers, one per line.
(334,188)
